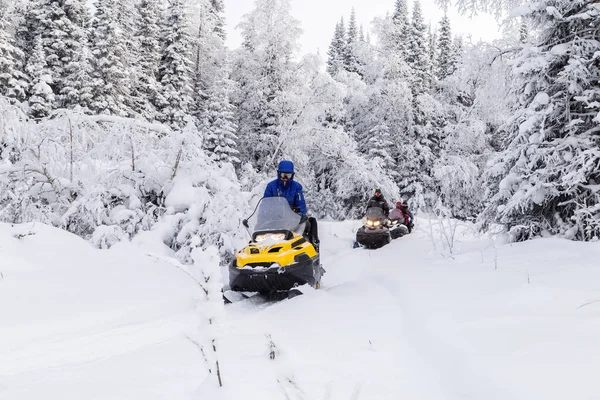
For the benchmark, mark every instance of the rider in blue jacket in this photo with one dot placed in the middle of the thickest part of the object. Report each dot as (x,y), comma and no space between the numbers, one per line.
(286,186)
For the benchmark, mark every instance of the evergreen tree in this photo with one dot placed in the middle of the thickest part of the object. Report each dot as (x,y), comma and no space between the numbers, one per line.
(433,51)
(268,78)
(350,59)
(175,68)
(523,32)
(41,98)
(417,56)
(108,46)
(445,58)
(72,73)
(218,122)
(401,27)
(13,82)
(337,50)
(128,21)
(546,181)
(217,12)
(456,54)
(146,88)
(361,34)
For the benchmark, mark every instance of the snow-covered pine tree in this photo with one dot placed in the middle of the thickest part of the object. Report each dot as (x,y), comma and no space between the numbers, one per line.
(41,98)
(72,74)
(175,68)
(547,180)
(217,16)
(108,46)
(400,27)
(350,59)
(445,57)
(433,51)
(128,19)
(146,86)
(379,146)
(361,33)
(267,76)
(13,83)
(456,54)
(523,32)
(337,49)
(417,56)
(218,122)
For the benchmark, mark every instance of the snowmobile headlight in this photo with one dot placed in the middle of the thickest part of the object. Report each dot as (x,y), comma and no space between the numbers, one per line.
(270,236)
(376,223)
(369,222)
(394,221)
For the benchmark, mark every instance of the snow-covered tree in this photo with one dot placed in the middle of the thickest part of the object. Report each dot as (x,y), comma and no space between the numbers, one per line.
(350,59)
(400,28)
(110,75)
(13,82)
(264,69)
(417,56)
(445,48)
(146,86)
(546,181)
(175,69)
(41,97)
(337,49)
(218,123)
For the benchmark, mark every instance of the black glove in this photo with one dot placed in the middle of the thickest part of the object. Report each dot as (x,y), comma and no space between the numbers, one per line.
(296,209)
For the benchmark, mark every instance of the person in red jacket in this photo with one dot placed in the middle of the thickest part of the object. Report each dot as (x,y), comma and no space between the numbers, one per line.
(402,213)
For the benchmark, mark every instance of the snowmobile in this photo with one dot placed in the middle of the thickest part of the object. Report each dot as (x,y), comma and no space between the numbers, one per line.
(375,232)
(398,225)
(278,258)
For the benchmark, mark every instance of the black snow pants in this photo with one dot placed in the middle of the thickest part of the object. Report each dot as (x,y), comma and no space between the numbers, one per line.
(311,230)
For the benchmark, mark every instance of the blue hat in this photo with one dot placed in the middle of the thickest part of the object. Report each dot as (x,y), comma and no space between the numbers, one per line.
(285,166)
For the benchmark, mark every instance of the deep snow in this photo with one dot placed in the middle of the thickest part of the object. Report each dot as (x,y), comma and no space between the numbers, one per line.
(409,320)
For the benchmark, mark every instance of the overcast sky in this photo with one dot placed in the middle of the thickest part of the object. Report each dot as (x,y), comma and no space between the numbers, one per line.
(318,19)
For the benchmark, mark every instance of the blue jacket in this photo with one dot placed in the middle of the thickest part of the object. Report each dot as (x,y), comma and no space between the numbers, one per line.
(292,191)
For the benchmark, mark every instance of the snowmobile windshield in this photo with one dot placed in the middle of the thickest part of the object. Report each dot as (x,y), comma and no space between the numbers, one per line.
(374,214)
(275,214)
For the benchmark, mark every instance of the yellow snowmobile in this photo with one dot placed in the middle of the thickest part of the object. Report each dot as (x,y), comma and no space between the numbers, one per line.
(278,257)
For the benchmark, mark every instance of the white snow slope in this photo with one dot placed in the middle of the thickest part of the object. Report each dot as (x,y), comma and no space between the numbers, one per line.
(514,322)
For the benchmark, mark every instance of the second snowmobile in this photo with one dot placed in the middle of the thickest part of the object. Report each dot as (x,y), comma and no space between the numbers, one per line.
(375,232)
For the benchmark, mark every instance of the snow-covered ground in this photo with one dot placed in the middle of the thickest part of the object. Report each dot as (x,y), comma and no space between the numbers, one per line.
(489,322)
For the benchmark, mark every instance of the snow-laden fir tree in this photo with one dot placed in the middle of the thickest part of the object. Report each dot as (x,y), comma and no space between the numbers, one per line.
(523,32)
(361,34)
(267,76)
(445,58)
(209,49)
(547,181)
(73,75)
(400,27)
(110,74)
(417,56)
(350,59)
(217,17)
(146,86)
(433,51)
(456,54)
(218,122)
(337,49)
(13,82)
(61,28)
(128,20)
(41,98)
(175,68)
